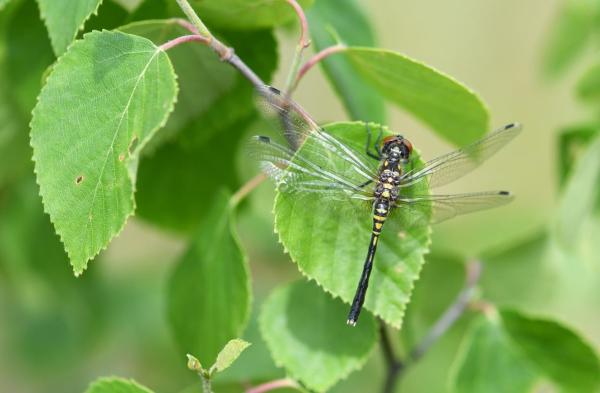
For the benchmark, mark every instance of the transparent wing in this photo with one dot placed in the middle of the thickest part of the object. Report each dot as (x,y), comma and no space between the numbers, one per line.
(297,127)
(313,173)
(444,207)
(449,167)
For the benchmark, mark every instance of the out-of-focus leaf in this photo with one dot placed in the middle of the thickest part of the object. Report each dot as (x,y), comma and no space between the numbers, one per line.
(150,9)
(519,275)
(488,362)
(3,3)
(452,110)
(572,143)
(102,103)
(440,281)
(246,14)
(350,23)
(209,291)
(232,350)
(116,385)
(579,197)
(324,238)
(571,32)
(202,154)
(110,15)
(306,333)
(15,153)
(64,19)
(25,68)
(557,352)
(588,86)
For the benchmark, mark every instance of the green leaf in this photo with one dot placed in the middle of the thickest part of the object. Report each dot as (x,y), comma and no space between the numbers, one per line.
(451,110)
(116,385)
(209,291)
(572,143)
(588,86)
(307,334)
(579,197)
(25,68)
(233,349)
(64,19)
(203,152)
(247,14)
(489,363)
(571,32)
(3,3)
(558,352)
(198,70)
(348,20)
(329,241)
(102,103)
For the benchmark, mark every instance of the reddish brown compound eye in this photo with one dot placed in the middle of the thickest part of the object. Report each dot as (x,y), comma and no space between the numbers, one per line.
(408,145)
(389,138)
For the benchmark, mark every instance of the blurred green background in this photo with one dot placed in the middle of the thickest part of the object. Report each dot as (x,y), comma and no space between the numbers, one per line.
(58,332)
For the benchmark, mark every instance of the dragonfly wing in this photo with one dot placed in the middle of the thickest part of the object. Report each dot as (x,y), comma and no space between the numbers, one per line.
(299,172)
(444,207)
(449,167)
(297,127)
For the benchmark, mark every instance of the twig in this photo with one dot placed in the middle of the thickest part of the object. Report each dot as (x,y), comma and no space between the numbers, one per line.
(452,313)
(247,188)
(277,384)
(303,43)
(183,39)
(186,25)
(225,53)
(394,365)
(193,17)
(316,59)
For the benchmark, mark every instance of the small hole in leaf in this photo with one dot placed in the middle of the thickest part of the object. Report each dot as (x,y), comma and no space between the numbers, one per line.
(133,144)
(79,179)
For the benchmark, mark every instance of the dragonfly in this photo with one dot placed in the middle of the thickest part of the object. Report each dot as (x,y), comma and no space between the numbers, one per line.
(380,174)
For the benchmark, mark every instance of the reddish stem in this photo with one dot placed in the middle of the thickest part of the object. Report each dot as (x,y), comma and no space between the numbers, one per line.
(277,384)
(181,40)
(186,25)
(304,42)
(317,58)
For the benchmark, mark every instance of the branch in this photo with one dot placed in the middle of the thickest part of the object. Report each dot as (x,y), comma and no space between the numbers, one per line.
(316,59)
(277,384)
(452,313)
(394,365)
(225,53)
(303,43)
(183,39)
(247,188)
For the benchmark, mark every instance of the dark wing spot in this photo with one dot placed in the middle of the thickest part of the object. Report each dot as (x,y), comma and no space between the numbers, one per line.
(508,126)
(264,139)
(504,193)
(274,90)
(79,179)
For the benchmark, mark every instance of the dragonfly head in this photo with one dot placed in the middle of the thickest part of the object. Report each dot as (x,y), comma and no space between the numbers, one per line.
(396,148)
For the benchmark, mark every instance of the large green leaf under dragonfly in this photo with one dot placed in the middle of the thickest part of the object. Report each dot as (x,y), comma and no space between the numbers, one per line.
(328,239)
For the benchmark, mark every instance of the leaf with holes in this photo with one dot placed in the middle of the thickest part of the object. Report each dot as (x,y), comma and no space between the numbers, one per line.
(306,333)
(328,239)
(116,385)
(246,14)
(64,18)
(452,110)
(102,103)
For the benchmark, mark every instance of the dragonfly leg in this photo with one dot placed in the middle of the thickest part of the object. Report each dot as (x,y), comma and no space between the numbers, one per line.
(377,154)
(363,185)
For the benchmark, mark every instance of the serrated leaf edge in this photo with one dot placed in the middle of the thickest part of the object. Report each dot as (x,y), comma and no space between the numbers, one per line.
(137,151)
